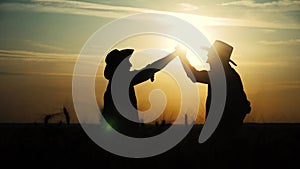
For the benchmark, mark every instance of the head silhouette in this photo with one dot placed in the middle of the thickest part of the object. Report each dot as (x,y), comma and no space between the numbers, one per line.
(221,49)
(114,58)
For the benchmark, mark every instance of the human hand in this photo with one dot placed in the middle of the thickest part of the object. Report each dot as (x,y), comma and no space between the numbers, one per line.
(180,51)
(152,77)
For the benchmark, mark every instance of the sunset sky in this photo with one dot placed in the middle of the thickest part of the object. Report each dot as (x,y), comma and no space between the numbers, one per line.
(41,40)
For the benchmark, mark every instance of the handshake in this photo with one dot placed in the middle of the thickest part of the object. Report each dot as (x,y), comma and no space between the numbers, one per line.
(161,63)
(180,51)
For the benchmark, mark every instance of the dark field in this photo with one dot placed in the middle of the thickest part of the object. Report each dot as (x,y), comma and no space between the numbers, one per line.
(67,146)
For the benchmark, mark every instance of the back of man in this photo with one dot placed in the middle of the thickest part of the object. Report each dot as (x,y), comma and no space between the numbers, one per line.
(237,105)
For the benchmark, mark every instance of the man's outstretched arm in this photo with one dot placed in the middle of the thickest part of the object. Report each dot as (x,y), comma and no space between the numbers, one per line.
(192,72)
(149,71)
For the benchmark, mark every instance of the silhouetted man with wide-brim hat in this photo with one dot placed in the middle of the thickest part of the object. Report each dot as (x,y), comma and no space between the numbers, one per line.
(224,149)
(110,112)
(237,105)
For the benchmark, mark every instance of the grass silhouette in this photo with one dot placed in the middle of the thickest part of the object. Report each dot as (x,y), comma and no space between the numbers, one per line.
(258,146)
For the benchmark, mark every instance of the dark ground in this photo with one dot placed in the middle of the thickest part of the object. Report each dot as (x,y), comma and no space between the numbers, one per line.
(67,146)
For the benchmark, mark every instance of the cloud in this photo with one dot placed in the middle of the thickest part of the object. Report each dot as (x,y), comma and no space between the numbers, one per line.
(37,74)
(198,20)
(187,7)
(74,7)
(284,85)
(111,11)
(282,42)
(278,63)
(48,47)
(60,74)
(268,30)
(36,56)
(288,5)
(32,56)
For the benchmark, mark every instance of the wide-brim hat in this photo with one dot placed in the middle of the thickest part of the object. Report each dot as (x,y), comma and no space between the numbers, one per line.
(223,50)
(113,59)
(117,56)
